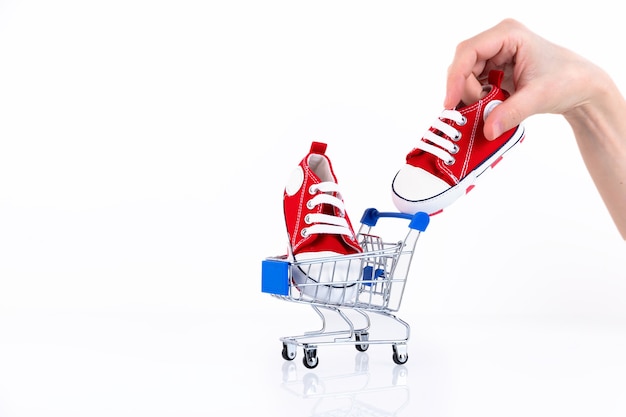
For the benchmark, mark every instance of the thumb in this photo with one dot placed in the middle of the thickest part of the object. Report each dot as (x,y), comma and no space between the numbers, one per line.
(509,114)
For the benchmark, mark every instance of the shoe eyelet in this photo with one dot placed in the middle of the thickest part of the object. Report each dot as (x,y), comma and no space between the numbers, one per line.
(309,205)
(304,232)
(312,189)
(307,219)
(455,150)
(457,137)
(450,161)
(463,121)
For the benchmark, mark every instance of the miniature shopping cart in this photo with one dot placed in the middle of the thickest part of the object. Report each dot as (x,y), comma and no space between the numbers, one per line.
(354,287)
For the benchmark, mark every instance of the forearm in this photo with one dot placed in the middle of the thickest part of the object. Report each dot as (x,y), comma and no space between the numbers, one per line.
(600,130)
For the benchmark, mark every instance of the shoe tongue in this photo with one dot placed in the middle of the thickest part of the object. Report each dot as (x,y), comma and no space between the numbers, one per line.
(329,209)
(320,165)
(336,243)
(326,208)
(417,152)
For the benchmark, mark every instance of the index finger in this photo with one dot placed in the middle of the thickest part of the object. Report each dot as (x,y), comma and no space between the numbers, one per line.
(471,57)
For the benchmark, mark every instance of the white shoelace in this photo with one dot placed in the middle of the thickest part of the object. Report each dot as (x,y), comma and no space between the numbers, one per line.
(326,223)
(443,147)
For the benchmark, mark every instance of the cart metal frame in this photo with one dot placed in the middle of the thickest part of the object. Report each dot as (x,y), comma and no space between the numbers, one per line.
(376,288)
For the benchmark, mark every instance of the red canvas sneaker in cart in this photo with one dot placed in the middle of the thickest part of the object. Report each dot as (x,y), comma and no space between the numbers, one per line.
(446,162)
(319,227)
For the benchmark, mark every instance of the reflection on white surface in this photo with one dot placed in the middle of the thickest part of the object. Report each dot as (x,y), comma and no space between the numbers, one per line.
(356,393)
(203,363)
(471,366)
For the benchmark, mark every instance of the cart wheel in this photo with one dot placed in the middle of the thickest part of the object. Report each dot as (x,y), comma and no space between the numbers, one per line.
(289,352)
(310,359)
(400,355)
(362,337)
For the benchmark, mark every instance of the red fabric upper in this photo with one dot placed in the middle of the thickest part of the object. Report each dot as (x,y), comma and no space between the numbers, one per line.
(474,148)
(295,211)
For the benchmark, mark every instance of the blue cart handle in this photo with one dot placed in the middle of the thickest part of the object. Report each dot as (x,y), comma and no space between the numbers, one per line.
(418,221)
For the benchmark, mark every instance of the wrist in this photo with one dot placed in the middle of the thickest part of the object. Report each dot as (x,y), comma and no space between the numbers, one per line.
(599,99)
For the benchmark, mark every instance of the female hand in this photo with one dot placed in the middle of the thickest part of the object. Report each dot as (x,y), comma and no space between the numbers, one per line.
(542,77)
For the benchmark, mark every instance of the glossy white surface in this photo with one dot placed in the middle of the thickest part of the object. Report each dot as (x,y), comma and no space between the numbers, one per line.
(144,147)
(167,364)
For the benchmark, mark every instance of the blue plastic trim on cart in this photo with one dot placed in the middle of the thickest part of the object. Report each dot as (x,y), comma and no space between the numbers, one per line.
(370,274)
(275,277)
(418,221)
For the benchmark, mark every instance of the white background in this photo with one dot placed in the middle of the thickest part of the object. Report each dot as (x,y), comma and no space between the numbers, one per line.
(144,147)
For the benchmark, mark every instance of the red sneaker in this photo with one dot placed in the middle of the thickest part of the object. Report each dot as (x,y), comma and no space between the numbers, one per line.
(452,154)
(319,227)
